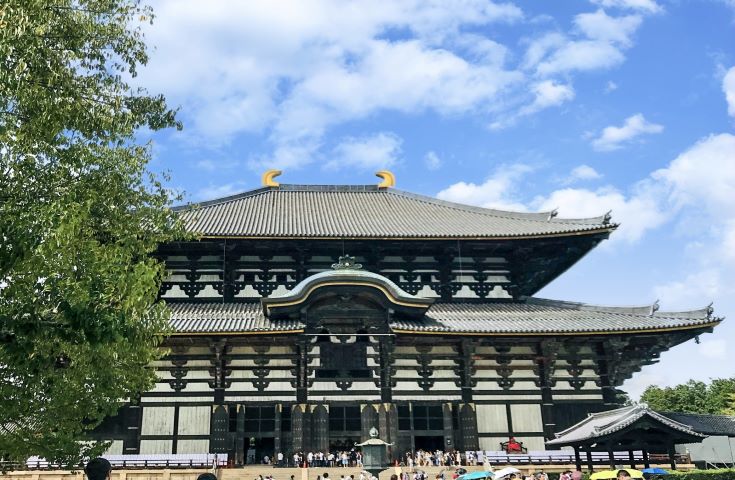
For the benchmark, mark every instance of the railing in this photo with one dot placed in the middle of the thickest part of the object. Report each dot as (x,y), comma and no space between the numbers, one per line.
(210,460)
(551,457)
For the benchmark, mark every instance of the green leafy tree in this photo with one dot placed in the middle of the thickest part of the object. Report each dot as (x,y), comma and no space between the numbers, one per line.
(80,215)
(693,396)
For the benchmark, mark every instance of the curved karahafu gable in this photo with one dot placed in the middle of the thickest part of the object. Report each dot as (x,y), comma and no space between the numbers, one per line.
(348,274)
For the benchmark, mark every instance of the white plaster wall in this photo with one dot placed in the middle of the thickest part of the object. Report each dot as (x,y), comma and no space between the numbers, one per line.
(527,418)
(491,443)
(192,446)
(150,447)
(491,418)
(194,421)
(153,400)
(158,421)
(116,448)
(532,443)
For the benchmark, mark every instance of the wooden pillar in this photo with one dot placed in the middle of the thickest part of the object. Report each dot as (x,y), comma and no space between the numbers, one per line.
(448,428)
(302,370)
(672,458)
(589,460)
(631,457)
(277,432)
(385,349)
(611,457)
(646,461)
(545,365)
(577,460)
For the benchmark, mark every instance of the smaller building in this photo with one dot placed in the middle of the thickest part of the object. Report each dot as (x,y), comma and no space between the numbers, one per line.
(718,449)
(631,428)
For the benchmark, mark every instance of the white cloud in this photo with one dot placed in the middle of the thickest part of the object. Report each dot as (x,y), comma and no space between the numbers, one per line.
(637,212)
(375,152)
(498,191)
(598,44)
(728,86)
(714,349)
(432,160)
(582,55)
(692,291)
(582,172)
(634,126)
(218,191)
(610,86)
(291,70)
(601,26)
(701,182)
(648,6)
(546,93)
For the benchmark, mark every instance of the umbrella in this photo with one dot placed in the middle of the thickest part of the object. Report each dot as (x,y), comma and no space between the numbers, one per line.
(476,475)
(613,474)
(505,472)
(655,471)
(461,471)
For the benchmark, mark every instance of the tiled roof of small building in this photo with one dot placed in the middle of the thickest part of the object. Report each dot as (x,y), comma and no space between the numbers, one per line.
(534,316)
(602,424)
(705,424)
(366,211)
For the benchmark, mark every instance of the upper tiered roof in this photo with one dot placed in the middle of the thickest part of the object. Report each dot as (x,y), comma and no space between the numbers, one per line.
(368,211)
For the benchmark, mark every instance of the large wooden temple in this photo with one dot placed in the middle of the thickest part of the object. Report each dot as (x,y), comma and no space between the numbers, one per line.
(305,315)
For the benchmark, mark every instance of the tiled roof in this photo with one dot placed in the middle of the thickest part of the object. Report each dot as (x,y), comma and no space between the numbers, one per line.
(548,316)
(599,425)
(705,424)
(366,211)
(532,316)
(216,318)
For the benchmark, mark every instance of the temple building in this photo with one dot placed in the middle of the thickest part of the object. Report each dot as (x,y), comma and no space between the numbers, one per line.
(305,315)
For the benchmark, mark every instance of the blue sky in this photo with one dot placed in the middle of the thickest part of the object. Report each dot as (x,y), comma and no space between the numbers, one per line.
(584,106)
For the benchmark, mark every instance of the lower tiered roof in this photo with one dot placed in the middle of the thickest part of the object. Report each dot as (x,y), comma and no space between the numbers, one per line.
(532,316)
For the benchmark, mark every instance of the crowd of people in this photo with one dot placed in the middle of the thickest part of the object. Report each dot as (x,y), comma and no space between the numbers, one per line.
(342,458)
(437,458)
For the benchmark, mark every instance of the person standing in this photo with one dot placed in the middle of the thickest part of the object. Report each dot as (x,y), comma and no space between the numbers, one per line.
(98,469)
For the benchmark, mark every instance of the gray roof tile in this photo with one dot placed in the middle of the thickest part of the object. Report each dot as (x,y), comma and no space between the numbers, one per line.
(366,211)
(532,316)
(218,318)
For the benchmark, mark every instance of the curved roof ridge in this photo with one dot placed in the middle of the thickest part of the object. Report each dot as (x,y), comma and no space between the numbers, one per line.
(650,310)
(546,217)
(223,200)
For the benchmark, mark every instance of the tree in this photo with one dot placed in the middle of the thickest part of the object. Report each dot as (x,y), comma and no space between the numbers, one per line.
(80,215)
(693,396)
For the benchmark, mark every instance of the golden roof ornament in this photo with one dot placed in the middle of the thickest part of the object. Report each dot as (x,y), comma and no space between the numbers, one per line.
(389,180)
(269,176)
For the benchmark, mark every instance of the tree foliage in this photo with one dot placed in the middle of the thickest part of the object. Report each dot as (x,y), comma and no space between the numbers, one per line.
(693,397)
(80,215)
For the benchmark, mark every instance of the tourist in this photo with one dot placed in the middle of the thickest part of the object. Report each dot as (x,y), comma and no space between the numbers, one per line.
(98,469)
(623,475)
(207,476)
(577,475)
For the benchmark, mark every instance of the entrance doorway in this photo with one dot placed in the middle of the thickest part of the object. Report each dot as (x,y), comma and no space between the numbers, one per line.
(428,443)
(258,448)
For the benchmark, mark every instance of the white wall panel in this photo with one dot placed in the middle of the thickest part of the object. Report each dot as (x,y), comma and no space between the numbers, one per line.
(491,418)
(491,443)
(526,418)
(116,448)
(158,421)
(194,420)
(532,443)
(192,446)
(150,447)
